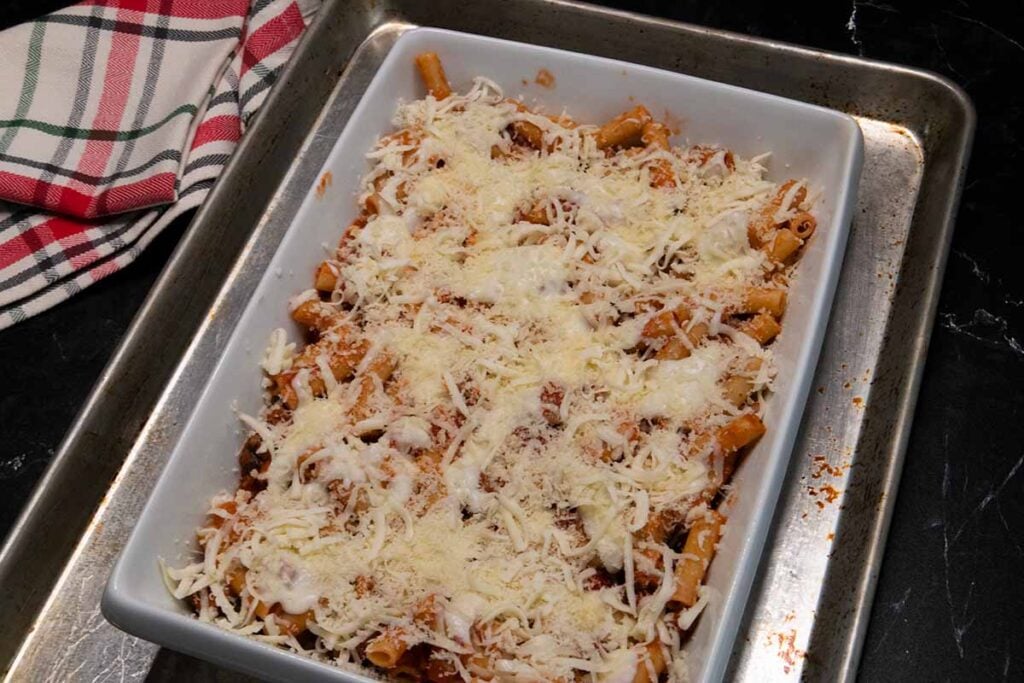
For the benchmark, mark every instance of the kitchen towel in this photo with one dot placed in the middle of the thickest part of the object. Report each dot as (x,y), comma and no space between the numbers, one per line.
(116,116)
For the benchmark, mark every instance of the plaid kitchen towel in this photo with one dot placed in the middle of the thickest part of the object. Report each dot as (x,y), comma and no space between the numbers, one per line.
(124,114)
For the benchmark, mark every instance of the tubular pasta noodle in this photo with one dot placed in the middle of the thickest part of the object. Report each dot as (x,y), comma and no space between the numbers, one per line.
(697,554)
(432,73)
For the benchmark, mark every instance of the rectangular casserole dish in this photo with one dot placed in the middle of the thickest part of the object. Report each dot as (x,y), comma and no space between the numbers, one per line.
(805,141)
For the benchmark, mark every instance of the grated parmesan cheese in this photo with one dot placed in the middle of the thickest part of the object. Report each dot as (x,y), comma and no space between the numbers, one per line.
(506,470)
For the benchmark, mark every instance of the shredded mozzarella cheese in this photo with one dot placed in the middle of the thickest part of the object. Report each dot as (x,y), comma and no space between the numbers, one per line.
(506,470)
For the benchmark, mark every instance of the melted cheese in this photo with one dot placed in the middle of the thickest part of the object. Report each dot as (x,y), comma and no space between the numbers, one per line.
(684,388)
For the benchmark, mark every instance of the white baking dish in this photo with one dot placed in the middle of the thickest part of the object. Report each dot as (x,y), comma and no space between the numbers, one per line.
(805,141)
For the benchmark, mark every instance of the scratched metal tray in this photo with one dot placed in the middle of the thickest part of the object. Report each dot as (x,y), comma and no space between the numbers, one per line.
(809,607)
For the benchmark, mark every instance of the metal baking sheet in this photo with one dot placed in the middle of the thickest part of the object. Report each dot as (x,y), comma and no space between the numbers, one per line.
(808,610)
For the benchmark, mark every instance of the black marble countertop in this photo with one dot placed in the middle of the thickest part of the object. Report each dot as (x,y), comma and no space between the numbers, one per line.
(950,600)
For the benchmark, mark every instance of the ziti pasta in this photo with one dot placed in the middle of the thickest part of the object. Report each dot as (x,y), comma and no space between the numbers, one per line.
(532,365)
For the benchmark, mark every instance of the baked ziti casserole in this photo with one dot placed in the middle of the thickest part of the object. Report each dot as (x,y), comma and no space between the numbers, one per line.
(530,368)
